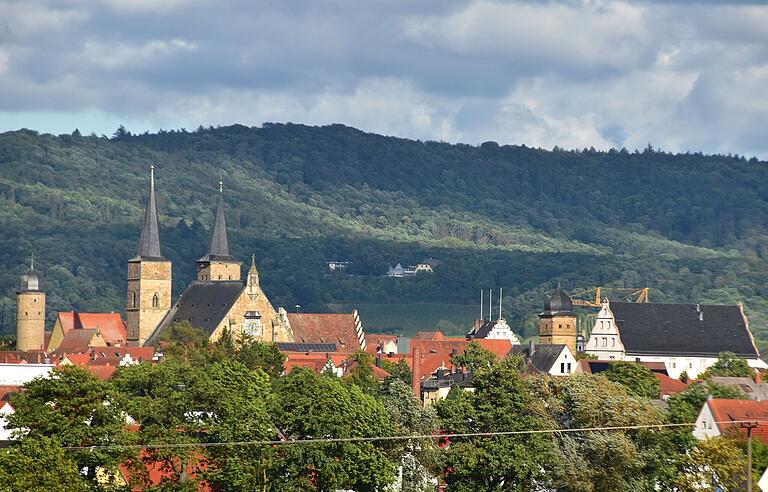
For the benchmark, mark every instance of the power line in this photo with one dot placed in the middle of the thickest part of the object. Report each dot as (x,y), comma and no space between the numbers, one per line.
(326,440)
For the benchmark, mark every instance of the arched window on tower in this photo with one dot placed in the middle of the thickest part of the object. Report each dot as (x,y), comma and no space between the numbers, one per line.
(155,300)
(133,298)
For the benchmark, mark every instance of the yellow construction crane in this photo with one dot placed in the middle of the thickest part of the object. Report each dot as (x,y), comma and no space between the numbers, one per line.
(639,295)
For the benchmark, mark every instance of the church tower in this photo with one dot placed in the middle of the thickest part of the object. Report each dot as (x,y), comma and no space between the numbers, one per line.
(218,264)
(149,277)
(557,323)
(30,311)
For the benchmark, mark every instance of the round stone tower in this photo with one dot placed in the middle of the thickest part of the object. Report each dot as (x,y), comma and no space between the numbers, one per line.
(30,311)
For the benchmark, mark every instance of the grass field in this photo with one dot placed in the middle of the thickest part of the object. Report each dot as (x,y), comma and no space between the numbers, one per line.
(408,318)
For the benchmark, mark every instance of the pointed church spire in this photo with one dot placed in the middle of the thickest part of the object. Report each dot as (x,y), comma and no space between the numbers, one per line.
(149,244)
(219,245)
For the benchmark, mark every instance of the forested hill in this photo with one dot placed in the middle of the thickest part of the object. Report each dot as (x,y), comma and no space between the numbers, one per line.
(692,226)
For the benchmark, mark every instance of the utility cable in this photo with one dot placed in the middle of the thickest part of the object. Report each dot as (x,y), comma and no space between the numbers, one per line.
(326,440)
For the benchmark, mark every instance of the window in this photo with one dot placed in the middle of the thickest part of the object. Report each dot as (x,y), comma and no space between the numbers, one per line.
(674,364)
(560,326)
(613,342)
(605,341)
(133,298)
(562,368)
(568,366)
(690,365)
(595,341)
(155,300)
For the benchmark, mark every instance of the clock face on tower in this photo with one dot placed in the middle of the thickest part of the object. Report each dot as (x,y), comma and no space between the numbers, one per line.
(252,327)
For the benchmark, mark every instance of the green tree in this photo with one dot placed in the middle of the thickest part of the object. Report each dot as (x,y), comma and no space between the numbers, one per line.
(602,460)
(307,405)
(636,378)
(77,409)
(417,456)
(474,358)
(362,373)
(39,463)
(728,364)
(164,399)
(501,402)
(237,399)
(400,370)
(715,463)
(261,355)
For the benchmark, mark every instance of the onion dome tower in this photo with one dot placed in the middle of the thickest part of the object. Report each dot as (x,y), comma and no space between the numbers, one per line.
(557,323)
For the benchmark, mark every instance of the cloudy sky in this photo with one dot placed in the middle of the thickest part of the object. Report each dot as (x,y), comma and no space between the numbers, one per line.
(679,75)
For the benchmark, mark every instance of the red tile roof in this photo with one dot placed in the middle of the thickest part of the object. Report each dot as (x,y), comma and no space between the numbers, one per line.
(5,392)
(669,386)
(76,340)
(499,347)
(110,324)
(102,372)
(430,335)
(448,345)
(727,411)
(326,328)
(156,471)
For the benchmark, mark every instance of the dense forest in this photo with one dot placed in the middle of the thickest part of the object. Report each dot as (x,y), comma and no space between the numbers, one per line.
(693,227)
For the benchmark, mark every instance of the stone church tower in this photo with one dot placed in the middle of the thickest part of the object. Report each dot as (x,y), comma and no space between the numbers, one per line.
(149,278)
(218,264)
(557,323)
(30,311)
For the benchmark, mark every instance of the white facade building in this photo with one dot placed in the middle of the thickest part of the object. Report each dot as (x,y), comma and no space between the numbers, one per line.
(684,337)
(21,374)
(604,340)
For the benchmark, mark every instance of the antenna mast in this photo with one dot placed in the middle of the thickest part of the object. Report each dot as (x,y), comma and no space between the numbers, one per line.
(482,306)
(501,290)
(490,304)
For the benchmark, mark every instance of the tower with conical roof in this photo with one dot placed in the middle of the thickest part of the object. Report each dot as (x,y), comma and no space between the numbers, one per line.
(149,277)
(30,311)
(557,323)
(218,264)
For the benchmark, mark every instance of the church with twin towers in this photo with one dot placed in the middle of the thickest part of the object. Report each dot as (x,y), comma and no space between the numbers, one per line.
(218,300)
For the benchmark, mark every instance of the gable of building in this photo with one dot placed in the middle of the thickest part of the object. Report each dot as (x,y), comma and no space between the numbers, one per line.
(343,330)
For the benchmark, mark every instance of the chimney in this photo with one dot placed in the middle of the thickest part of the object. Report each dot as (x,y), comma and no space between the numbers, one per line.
(758,377)
(416,383)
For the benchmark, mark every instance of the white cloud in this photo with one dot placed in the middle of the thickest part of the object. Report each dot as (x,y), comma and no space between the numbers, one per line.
(27,20)
(388,106)
(592,34)
(119,55)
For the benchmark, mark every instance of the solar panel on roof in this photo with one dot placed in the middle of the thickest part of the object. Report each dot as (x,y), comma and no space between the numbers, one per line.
(306,347)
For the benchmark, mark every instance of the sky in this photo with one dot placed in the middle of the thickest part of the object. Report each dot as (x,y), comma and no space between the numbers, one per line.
(679,75)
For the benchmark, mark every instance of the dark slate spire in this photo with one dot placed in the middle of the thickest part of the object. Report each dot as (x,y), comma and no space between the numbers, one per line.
(218,248)
(149,244)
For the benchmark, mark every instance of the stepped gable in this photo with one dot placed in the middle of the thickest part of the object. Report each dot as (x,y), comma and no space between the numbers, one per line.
(203,305)
(339,329)
(679,329)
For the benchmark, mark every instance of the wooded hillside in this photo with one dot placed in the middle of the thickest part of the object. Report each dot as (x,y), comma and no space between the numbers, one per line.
(694,227)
